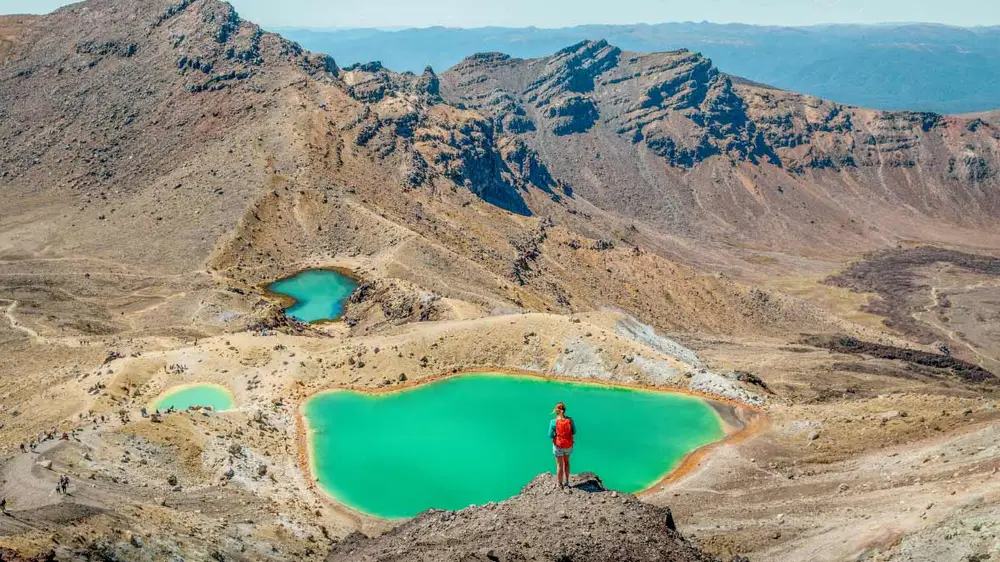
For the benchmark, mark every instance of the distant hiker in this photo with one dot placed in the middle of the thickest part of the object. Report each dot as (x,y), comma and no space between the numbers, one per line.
(3,505)
(561,432)
(145,414)
(23,450)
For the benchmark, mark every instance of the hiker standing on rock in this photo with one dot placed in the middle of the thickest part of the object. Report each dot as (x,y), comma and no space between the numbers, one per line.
(561,432)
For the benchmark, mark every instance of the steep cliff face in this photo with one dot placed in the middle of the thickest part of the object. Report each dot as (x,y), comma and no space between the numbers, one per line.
(679,106)
(676,104)
(668,138)
(406,120)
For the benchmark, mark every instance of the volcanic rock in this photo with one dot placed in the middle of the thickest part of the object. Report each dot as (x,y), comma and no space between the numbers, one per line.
(590,523)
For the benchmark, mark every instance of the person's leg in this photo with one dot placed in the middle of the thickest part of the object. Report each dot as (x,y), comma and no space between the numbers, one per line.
(566,468)
(559,470)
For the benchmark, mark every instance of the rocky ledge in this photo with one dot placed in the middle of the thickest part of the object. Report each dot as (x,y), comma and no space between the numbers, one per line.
(584,523)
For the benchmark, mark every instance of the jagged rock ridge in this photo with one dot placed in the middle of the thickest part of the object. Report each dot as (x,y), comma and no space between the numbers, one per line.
(685,110)
(668,138)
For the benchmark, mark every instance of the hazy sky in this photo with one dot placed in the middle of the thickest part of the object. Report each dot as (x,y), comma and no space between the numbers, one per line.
(558,13)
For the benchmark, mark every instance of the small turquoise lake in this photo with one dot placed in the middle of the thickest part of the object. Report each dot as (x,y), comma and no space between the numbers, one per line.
(318,294)
(183,397)
(480,437)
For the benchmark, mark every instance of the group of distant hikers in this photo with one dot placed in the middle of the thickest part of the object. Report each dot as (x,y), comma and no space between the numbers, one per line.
(47,436)
(63,486)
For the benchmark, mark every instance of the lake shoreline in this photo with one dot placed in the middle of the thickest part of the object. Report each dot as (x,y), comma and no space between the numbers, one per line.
(739,421)
(287,301)
(188,386)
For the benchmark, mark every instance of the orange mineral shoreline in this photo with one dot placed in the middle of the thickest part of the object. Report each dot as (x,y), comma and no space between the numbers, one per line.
(755,423)
(752,422)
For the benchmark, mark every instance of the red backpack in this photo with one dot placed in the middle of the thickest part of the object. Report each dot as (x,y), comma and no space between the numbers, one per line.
(564,433)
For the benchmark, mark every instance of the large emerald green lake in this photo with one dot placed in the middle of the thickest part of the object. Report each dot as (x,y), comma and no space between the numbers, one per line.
(477,438)
(203,395)
(319,294)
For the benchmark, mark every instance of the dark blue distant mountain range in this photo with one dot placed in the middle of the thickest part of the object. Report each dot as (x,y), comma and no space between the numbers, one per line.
(892,66)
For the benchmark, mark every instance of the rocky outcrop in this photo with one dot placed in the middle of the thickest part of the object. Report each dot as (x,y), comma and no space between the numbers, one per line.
(11,555)
(103,48)
(405,119)
(480,167)
(971,168)
(572,70)
(429,85)
(526,165)
(387,302)
(467,150)
(582,524)
(528,251)
(576,114)
(369,82)
(509,114)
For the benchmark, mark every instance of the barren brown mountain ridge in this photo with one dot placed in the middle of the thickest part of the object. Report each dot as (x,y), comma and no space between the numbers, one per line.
(829,275)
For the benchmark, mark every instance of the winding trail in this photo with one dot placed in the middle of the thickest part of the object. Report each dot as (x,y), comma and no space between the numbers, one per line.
(9,315)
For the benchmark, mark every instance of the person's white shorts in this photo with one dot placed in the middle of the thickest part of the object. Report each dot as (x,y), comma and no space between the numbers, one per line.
(561,452)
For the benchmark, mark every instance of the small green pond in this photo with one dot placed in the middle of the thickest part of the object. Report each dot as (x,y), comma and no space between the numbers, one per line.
(480,437)
(184,397)
(319,294)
